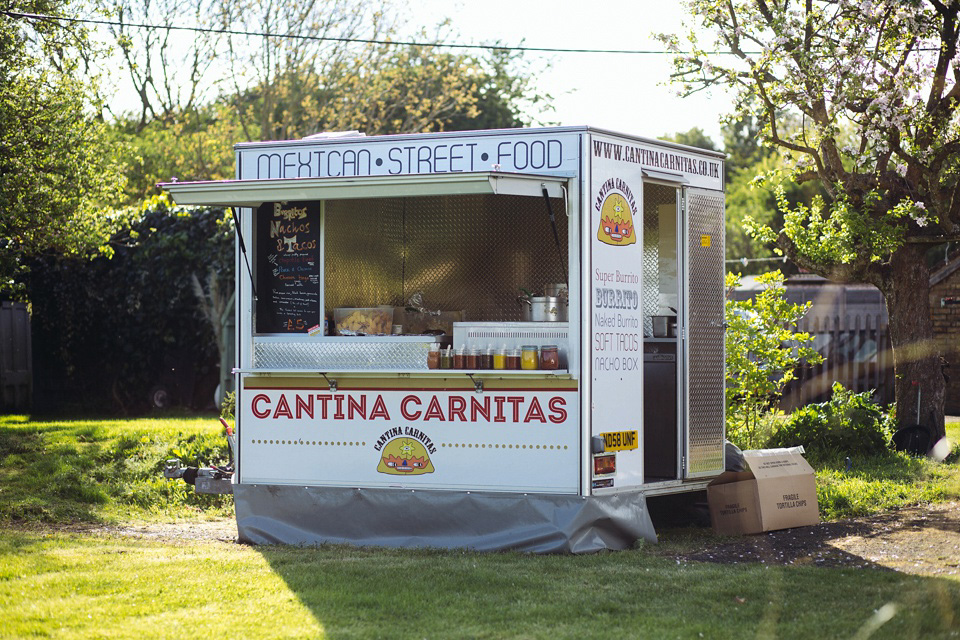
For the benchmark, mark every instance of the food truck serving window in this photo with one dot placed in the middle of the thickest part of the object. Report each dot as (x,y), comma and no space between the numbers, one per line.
(465,241)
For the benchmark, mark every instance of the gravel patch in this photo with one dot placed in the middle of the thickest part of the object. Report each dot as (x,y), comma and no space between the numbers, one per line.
(920,540)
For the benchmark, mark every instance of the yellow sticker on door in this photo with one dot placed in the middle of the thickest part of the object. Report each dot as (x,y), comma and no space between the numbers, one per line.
(619,440)
(706,241)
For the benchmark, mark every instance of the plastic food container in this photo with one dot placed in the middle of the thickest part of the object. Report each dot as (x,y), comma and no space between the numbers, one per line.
(664,326)
(362,321)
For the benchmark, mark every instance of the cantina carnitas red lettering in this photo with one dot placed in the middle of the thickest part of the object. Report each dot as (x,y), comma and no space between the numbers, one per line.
(490,408)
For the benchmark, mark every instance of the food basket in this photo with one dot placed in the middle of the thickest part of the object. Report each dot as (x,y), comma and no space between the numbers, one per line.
(419,322)
(362,321)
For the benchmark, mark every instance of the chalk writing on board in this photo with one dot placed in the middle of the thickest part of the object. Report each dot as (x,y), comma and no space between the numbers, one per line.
(288,240)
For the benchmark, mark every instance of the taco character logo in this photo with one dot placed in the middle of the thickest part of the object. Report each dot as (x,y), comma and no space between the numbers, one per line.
(404,457)
(617,206)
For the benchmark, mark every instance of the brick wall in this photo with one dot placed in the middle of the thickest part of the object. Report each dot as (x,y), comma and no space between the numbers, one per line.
(946,327)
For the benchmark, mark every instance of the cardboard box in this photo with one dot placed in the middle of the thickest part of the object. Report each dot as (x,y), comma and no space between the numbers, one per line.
(778,492)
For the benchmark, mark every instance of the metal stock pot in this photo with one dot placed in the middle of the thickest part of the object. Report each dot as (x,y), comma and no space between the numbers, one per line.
(543,309)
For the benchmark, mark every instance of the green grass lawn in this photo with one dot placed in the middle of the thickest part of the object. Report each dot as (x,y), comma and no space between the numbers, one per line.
(57,584)
(60,471)
(880,483)
(71,586)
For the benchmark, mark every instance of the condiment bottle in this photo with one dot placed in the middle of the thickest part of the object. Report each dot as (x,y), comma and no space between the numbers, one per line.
(459,359)
(500,358)
(446,359)
(549,357)
(433,357)
(530,357)
(472,359)
(513,359)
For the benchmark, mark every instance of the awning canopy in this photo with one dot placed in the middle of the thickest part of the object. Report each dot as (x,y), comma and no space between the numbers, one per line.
(253,193)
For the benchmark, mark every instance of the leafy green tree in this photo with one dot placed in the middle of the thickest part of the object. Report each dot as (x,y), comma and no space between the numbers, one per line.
(506,95)
(391,89)
(753,201)
(289,87)
(764,351)
(195,145)
(169,74)
(693,138)
(754,172)
(750,201)
(743,144)
(57,167)
(872,92)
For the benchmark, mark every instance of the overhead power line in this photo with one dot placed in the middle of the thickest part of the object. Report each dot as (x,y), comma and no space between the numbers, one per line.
(294,36)
(746,261)
(401,43)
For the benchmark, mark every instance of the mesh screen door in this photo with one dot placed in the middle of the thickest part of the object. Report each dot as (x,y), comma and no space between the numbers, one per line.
(705,349)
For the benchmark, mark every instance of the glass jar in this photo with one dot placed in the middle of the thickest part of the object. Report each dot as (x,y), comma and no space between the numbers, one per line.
(486,359)
(460,359)
(529,357)
(433,357)
(500,359)
(513,359)
(446,358)
(472,357)
(549,357)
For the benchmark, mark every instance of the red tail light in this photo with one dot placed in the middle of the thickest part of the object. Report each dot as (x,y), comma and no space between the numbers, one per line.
(603,465)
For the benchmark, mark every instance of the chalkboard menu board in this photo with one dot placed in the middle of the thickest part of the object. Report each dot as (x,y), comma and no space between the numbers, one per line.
(288,267)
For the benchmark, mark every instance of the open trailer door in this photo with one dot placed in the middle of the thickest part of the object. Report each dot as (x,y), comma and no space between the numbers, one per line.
(704,380)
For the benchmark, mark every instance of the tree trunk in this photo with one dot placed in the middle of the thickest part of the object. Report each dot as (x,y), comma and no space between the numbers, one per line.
(920,386)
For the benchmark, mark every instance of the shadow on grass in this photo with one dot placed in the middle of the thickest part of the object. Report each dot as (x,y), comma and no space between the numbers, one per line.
(361,593)
(788,584)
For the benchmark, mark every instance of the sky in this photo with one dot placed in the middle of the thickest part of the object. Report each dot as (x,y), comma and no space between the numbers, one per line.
(625,93)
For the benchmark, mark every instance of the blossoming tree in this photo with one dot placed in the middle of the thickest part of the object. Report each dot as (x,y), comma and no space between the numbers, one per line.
(873,87)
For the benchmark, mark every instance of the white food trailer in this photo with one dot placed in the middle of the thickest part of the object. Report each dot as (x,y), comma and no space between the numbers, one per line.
(358,256)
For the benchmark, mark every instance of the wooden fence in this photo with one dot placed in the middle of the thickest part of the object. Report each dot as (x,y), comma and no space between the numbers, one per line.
(857,353)
(16,364)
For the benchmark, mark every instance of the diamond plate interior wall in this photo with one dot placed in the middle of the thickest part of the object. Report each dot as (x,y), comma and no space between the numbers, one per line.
(655,196)
(705,352)
(651,253)
(469,253)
